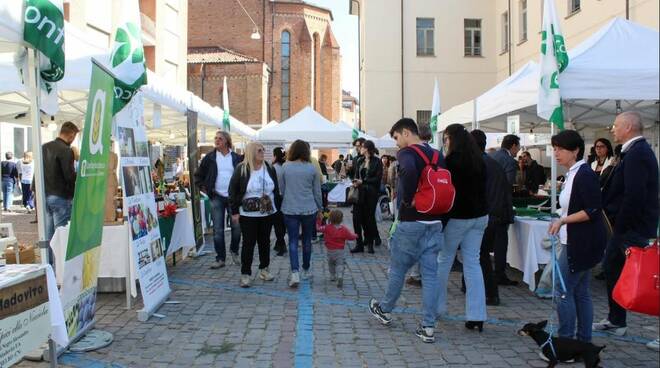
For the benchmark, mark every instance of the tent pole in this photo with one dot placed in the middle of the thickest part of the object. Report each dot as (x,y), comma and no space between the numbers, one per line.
(35,116)
(553,174)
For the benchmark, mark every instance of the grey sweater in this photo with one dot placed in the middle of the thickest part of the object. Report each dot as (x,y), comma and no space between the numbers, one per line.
(301,188)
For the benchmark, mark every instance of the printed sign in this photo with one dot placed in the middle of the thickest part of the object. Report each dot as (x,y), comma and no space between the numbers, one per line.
(140,204)
(24,317)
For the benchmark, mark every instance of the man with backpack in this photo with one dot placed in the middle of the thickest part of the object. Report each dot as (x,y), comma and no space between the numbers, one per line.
(425,193)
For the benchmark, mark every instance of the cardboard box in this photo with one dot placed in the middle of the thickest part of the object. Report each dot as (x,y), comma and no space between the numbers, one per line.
(26,254)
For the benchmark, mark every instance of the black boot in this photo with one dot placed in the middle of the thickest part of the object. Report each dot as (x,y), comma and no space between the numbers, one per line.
(370,247)
(358,249)
(471,325)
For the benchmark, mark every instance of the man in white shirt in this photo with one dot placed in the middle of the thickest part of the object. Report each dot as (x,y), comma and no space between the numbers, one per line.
(213,177)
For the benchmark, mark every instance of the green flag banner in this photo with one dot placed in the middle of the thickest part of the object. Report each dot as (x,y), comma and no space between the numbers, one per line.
(127,58)
(226,125)
(86,229)
(554,59)
(43,29)
(435,112)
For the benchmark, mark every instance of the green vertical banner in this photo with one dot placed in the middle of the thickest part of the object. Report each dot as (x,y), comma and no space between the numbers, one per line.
(84,245)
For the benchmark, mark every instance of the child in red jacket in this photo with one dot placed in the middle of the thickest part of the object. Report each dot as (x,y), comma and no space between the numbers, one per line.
(335,236)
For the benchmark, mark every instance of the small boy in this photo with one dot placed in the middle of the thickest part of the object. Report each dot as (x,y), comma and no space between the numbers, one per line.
(335,235)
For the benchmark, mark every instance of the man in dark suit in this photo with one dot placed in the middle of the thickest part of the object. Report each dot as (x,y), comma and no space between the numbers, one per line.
(505,156)
(500,215)
(631,203)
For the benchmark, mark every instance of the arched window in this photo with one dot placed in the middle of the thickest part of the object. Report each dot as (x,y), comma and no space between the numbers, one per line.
(286,74)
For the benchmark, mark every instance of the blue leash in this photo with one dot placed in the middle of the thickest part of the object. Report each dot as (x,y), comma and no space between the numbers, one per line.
(556,272)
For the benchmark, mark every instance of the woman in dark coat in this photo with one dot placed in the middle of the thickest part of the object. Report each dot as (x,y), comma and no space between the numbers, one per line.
(369,175)
(582,231)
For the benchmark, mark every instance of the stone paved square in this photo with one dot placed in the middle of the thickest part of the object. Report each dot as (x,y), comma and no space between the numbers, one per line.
(219,324)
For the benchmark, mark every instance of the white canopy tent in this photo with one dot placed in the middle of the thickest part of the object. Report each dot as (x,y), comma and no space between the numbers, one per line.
(310,126)
(615,69)
(168,102)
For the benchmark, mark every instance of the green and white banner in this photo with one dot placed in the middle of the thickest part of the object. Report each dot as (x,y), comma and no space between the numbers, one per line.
(84,245)
(435,112)
(554,59)
(43,29)
(127,58)
(226,125)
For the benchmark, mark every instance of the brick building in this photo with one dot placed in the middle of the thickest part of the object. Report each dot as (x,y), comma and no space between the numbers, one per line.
(294,63)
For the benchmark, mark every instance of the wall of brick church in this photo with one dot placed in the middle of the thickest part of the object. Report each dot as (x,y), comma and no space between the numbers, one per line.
(245,83)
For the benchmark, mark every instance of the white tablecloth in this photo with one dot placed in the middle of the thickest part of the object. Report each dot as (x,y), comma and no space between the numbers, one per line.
(338,193)
(183,236)
(114,251)
(525,251)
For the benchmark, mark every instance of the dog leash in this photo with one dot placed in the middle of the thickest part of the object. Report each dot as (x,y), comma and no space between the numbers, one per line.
(556,272)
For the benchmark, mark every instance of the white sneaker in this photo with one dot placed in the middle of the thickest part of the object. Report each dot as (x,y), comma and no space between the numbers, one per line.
(606,326)
(294,279)
(306,275)
(265,275)
(235,259)
(245,281)
(654,345)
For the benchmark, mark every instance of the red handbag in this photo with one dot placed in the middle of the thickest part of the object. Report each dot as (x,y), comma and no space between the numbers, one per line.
(638,288)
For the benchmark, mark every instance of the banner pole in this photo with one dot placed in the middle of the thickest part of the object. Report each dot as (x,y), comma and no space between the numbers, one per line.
(129,276)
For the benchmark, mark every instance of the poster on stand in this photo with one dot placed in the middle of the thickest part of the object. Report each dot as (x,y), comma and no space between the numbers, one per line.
(140,204)
(81,264)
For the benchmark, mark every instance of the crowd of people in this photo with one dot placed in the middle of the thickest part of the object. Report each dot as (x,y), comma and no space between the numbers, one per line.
(606,206)
(608,200)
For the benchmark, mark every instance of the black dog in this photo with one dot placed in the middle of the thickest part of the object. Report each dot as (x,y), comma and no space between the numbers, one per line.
(565,349)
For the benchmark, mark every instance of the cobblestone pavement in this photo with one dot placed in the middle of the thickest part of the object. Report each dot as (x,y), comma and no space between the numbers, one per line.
(218,324)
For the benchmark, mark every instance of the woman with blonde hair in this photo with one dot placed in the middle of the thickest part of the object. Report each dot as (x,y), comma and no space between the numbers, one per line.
(254,198)
(25,175)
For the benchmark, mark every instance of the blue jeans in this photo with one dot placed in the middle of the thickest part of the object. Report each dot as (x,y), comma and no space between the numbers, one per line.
(576,303)
(293,224)
(414,242)
(58,213)
(467,233)
(7,193)
(28,201)
(220,207)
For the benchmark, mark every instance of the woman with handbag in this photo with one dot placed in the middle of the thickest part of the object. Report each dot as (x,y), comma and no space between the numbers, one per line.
(581,231)
(467,223)
(254,197)
(301,204)
(368,177)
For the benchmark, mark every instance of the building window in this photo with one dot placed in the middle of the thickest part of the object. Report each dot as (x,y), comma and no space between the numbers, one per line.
(472,37)
(523,20)
(285,105)
(425,29)
(573,6)
(505,32)
(423,116)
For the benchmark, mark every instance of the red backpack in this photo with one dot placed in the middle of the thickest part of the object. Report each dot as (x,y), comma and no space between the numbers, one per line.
(435,191)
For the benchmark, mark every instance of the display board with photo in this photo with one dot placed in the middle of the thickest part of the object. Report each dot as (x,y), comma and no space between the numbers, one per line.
(140,208)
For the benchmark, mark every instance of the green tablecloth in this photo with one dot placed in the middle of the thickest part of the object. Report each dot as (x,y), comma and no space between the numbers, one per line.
(530,212)
(166,225)
(522,202)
